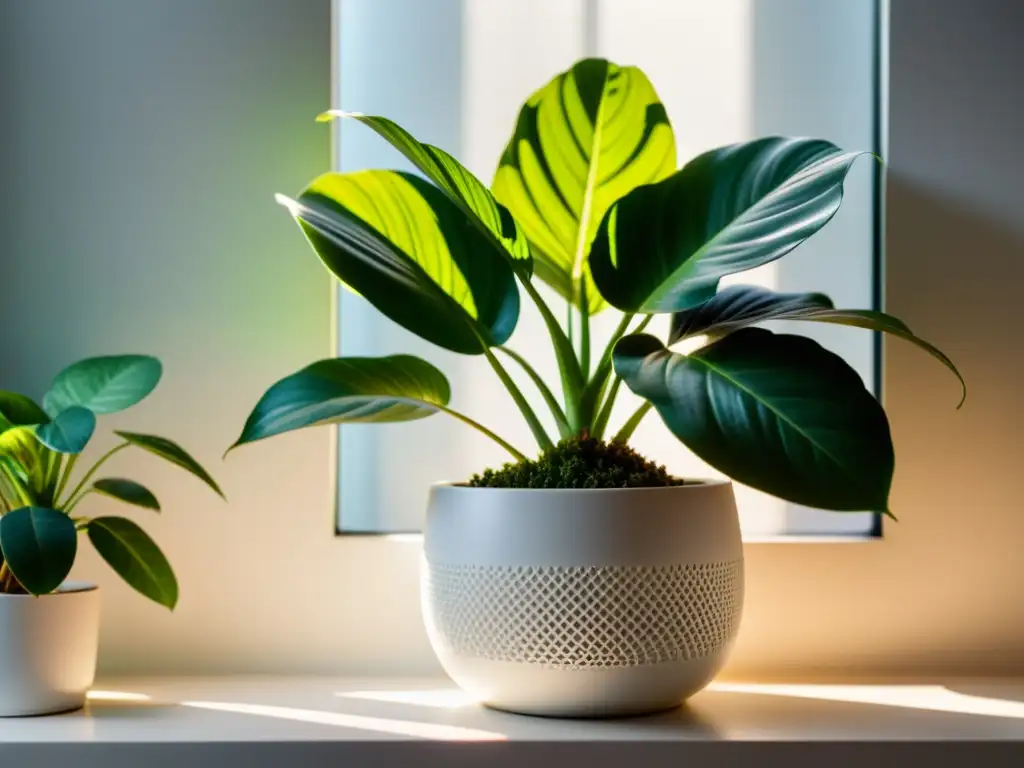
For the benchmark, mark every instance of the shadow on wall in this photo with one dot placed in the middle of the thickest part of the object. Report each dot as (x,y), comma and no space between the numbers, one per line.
(957,274)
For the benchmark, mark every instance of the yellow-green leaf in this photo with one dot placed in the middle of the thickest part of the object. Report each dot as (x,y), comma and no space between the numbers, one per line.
(462,187)
(403,244)
(33,464)
(583,141)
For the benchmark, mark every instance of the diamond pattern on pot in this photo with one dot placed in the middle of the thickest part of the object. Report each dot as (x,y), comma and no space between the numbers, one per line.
(586,617)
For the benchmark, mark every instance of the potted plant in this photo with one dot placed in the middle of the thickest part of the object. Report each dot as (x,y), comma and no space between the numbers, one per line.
(49,628)
(588,581)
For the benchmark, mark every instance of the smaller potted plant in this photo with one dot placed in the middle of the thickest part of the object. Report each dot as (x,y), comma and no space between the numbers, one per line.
(49,628)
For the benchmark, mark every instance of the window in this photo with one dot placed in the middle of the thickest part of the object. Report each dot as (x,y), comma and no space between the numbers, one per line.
(455,72)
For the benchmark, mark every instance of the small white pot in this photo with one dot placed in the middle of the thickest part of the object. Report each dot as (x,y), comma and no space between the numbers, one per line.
(582,603)
(48,649)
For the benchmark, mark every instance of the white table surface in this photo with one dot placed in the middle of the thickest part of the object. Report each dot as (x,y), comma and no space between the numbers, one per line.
(318,721)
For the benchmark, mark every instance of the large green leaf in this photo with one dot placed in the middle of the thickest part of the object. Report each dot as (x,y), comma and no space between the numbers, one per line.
(17,410)
(584,140)
(127,491)
(775,412)
(348,390)
(664,247)
(39,546)
(70,430)
(135,557)
(412,253)
(172,452)
(742,305)
(461,186)
(103,384)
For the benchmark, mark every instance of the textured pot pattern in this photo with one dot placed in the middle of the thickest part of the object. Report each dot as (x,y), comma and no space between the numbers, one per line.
(582,602)
(48,647)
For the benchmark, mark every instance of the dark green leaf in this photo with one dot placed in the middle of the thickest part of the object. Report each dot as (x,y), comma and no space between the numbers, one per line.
(775,412)
(39,546)
(17,410)
(411,252)
(103,384)
(127,491)
(135,557)
(70,430)
(172,452)
(462,187)
(348,390)
(581,142)
(664,247)
(743,305)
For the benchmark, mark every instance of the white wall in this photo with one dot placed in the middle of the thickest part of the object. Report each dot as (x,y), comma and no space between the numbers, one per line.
(141,146)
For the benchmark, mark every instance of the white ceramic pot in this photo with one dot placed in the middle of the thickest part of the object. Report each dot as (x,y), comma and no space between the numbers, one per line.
(582,603)
(48,649)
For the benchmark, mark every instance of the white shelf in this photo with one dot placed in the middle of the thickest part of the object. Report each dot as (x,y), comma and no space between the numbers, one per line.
(264,721)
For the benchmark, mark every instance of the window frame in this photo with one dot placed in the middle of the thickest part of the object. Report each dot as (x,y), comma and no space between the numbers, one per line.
(879,148)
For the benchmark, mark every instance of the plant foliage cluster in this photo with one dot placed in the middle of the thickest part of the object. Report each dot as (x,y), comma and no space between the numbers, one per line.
(39,448)
(588,199)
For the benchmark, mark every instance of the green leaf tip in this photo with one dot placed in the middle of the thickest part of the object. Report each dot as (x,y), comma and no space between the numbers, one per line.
(170,451)
(348,390)
(135,557)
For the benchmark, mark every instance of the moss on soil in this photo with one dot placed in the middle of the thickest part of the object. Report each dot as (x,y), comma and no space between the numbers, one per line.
(580,462)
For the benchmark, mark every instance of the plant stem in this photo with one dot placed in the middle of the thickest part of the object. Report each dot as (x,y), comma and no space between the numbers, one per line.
(9,583)
(481,428)
(75,502)
(65,475)
(605,411)
(573,382)
(579,267)
(618,333)
(584,331)
(524,407)
(631,424)
(70,501)
(601,422)
(545,391)
(595,389)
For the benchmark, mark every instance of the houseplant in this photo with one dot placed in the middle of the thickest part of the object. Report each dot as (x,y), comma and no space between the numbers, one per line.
(49,628)
(556,585)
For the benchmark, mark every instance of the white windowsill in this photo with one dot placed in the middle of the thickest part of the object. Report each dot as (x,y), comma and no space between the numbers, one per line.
(266,721)
(789,538)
